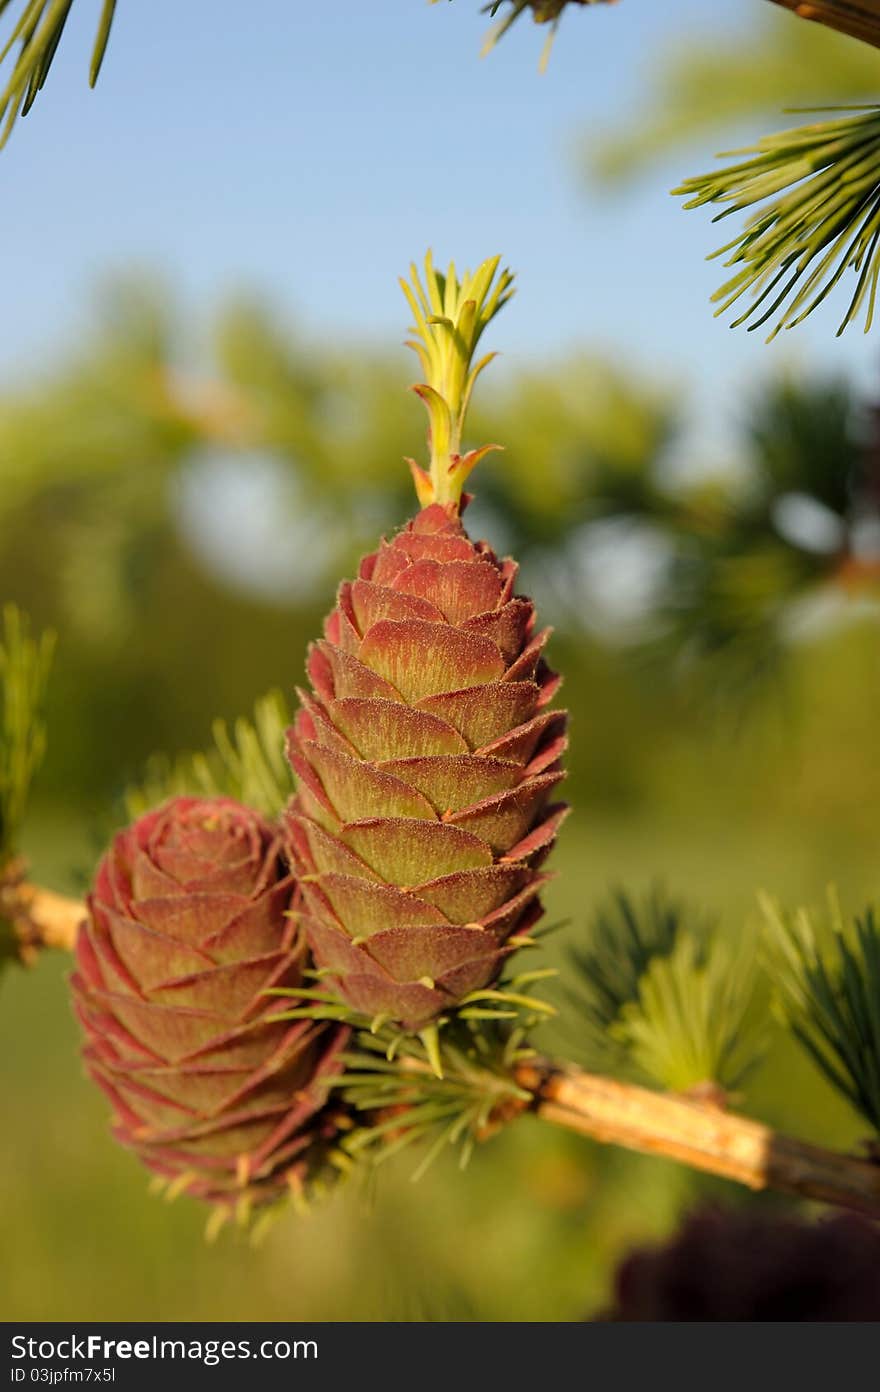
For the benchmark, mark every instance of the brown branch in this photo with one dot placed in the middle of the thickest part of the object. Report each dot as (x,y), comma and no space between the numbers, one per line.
(701,1135)
(860,19)
(55,917)
(38,917)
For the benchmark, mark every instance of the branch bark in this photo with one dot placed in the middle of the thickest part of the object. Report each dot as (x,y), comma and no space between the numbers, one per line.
(701,1135)
(55,917)
(40,918)
(860,19)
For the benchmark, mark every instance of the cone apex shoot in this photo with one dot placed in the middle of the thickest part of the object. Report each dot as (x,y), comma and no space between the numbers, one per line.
(450,315)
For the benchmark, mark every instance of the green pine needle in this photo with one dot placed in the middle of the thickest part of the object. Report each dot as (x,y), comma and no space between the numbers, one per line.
(37,34)
(820,190)
(543,12)
(430,1037)
(24,671)
(101,39)
(448,1085)
(446,1092)
(625,936)
(504,1002)
(247,763)
(687,1026)
(660,995)
(828,993)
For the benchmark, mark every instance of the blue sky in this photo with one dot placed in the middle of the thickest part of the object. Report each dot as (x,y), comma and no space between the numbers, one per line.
(308,149)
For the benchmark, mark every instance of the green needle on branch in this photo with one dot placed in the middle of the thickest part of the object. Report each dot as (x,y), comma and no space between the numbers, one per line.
(245,762)
(657,993)
(828,993)
(817,191)
(24,670)
(543,12)
(37,34)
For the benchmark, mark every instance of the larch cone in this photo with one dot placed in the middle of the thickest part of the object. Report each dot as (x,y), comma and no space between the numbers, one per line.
(190,922)
(427,763)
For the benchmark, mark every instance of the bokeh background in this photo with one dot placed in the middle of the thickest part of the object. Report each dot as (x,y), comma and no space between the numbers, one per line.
(202,421)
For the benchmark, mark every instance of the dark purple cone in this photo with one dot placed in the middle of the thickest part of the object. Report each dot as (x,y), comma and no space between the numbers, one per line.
(742,1266)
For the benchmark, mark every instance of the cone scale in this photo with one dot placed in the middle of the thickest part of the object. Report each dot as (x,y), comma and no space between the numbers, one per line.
(427,761)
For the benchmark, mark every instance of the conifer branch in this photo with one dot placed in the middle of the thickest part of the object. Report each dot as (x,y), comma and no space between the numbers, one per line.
(55,917)
(693,1132)
(701,1135)
(32,918)
(547,12)
(860,19)
(816,192)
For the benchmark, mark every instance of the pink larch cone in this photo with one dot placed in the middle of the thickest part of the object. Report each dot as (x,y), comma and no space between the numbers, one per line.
(426,764)
(189,924)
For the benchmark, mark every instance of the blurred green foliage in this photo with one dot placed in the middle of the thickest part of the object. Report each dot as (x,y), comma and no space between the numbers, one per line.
(24,671)
(117,465)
